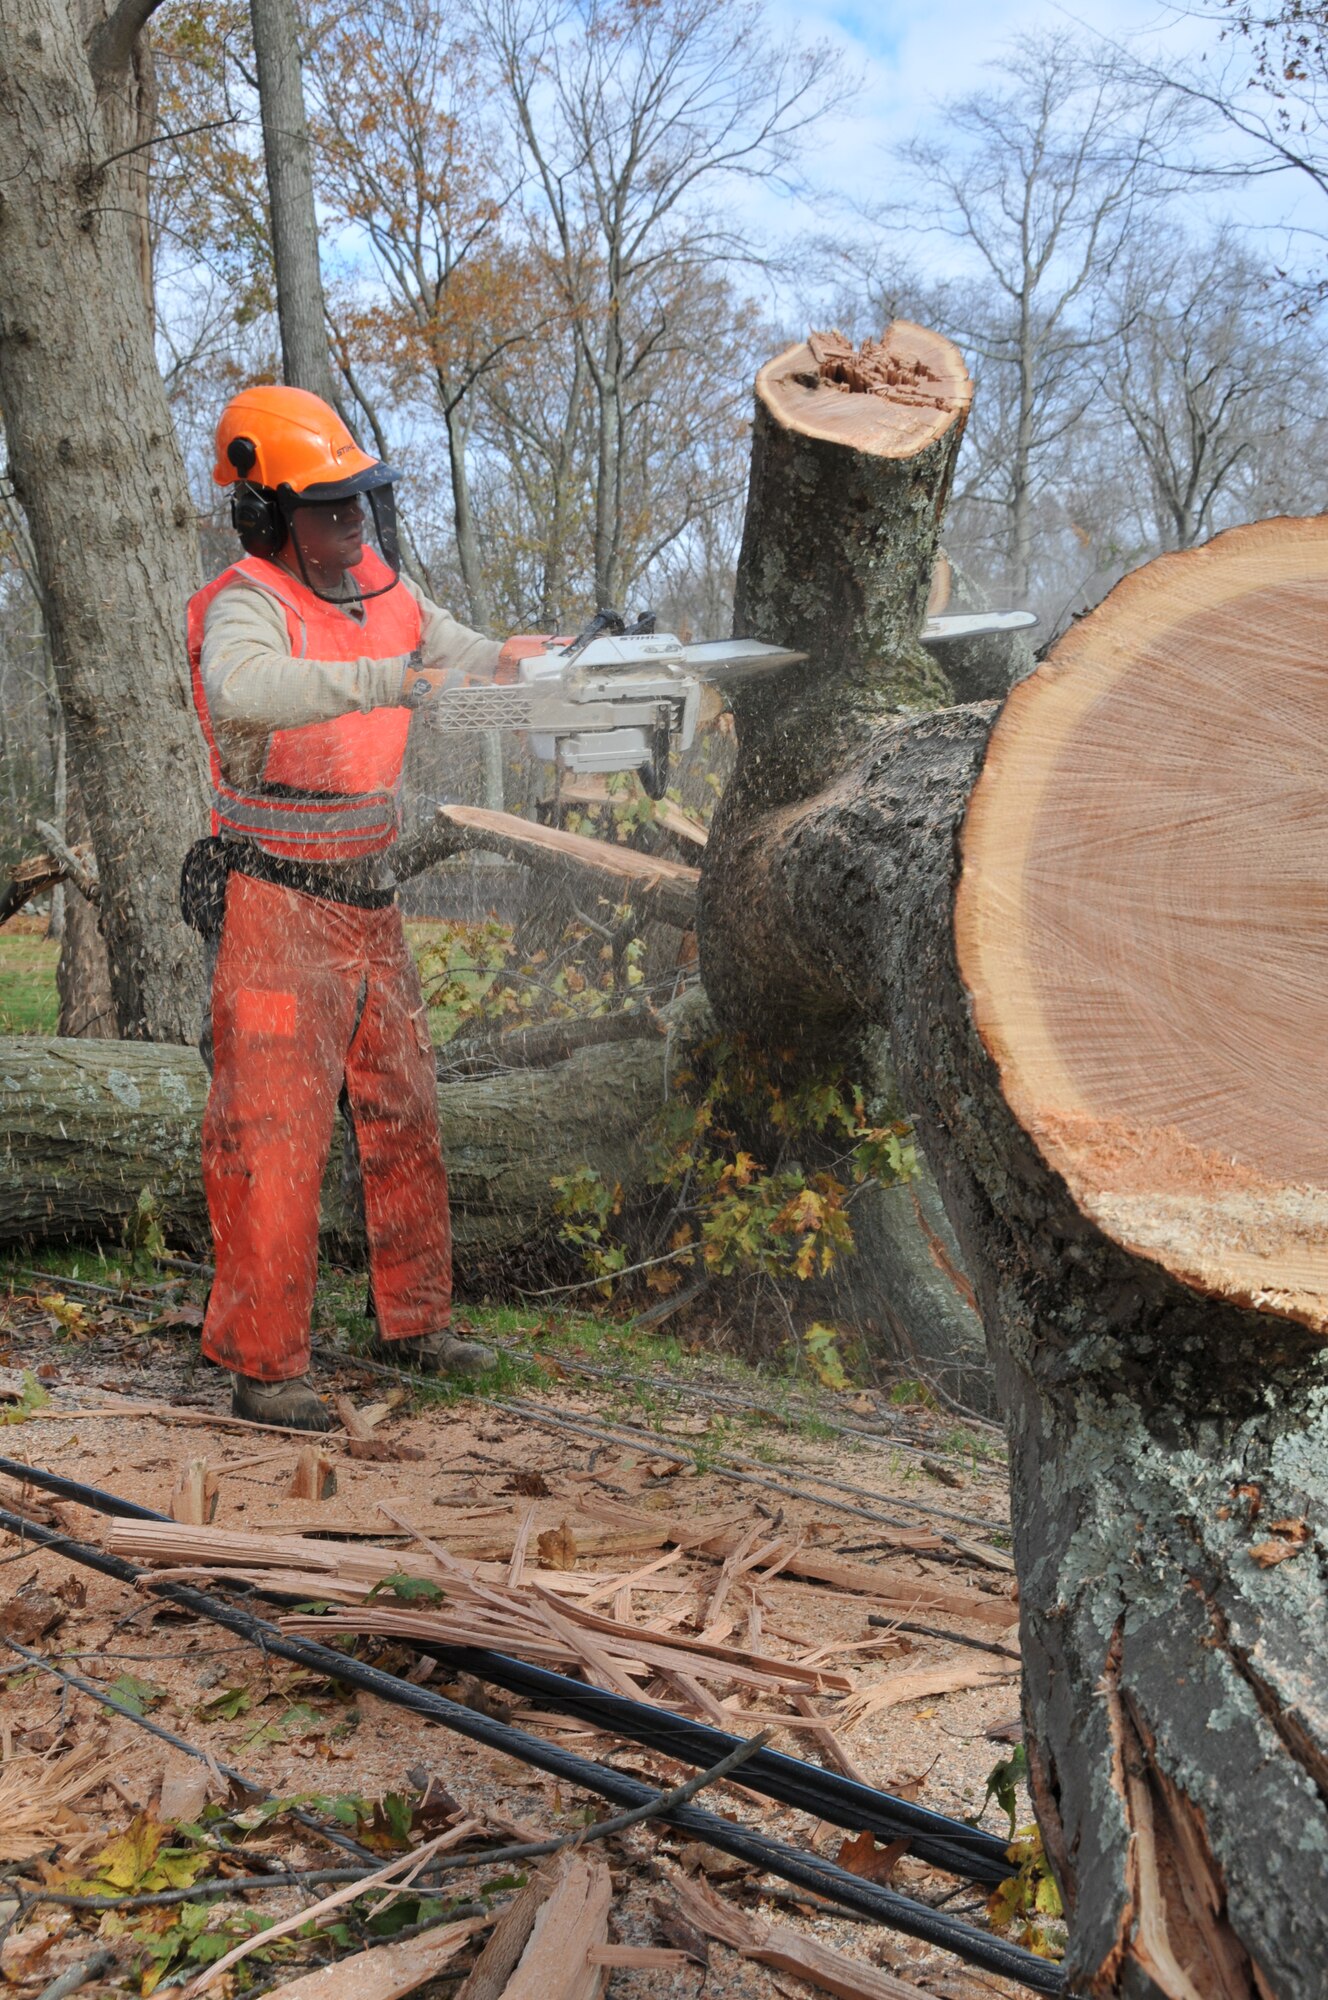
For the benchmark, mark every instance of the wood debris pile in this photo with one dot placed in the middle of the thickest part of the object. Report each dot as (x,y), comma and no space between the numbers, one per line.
(38,1797)
(537,1606)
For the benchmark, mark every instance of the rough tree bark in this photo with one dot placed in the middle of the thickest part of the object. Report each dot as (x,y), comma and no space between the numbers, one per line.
(305,362)
(83,973)
(88,1125)
(1167,1435)
(95,464)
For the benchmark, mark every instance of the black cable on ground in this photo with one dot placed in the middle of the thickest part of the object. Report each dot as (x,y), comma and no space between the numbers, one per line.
(945,1843)
(760,1851)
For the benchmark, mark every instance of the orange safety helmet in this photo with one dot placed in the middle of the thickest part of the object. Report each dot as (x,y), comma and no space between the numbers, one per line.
(285,448)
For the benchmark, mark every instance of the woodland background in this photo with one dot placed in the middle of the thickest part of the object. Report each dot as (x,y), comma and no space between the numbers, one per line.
(559,238)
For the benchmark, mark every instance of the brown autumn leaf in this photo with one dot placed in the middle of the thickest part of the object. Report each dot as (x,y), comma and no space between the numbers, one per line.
(557,1548)
(181,1315)
(1266,1554)
(861,1856)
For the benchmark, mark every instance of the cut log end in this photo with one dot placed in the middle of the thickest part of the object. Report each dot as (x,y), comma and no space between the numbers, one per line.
(890,398)
(1140,919)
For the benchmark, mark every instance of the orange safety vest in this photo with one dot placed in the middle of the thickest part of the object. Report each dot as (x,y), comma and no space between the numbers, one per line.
(329,791)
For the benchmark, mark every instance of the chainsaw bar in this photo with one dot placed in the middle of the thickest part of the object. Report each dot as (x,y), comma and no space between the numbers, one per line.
(972,624)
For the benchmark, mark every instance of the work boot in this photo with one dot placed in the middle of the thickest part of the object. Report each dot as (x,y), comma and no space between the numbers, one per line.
(436,1354)
(291,1404)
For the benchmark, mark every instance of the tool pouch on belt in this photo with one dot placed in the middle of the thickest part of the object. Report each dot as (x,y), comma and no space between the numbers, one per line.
(203,886)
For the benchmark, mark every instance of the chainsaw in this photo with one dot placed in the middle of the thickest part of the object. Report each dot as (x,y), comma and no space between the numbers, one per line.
(623,697)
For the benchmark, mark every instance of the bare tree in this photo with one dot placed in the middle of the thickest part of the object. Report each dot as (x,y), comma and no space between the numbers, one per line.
(636,123)
(412,154)
(1040,182)
(95,466)
(1218,391)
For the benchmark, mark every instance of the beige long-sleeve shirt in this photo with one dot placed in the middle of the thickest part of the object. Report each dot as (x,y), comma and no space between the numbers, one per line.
(254,684)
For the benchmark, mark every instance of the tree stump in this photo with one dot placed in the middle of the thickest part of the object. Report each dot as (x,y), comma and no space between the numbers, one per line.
(1114,1059)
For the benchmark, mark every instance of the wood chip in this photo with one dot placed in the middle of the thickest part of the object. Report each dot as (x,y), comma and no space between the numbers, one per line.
(30,1614)
(384,1973)
(497,1962)
(555,1964)
(517,1565)
(636,1957)
(917,1683)
(314,1477)
(184,1791)
(195,1495)
(352,1421)
(784,1949)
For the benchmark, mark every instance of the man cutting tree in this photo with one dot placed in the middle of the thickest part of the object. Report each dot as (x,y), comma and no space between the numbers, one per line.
(307,658)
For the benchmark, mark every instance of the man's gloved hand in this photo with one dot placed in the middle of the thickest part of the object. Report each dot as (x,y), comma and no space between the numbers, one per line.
(418,682)
(520,647)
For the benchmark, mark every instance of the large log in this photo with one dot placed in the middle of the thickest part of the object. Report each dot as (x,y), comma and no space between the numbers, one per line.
(86,1126)
(1117,1067)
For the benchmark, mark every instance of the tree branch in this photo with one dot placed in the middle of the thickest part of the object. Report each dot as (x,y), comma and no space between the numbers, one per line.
(112,45)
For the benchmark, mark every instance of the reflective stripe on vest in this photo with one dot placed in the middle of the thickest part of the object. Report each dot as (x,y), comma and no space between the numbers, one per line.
(311,820)
(329,790)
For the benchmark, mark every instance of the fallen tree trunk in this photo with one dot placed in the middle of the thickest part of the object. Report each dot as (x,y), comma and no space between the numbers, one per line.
(1115,1060)
(86,1128)
(88,1125)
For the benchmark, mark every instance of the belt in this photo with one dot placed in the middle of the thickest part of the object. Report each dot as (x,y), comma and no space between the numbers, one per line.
(328,885)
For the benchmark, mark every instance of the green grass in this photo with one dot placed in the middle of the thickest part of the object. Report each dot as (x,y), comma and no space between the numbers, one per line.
(28,1003)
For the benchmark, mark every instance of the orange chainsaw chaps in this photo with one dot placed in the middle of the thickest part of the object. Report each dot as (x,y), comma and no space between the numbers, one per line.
(308,994)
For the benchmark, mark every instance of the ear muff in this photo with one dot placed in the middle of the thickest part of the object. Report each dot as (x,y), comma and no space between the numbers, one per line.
(256,517)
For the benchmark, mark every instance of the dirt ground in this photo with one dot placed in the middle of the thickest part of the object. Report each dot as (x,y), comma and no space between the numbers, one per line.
(467,1475)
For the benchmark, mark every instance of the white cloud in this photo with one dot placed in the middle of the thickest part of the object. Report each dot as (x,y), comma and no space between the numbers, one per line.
(911,55)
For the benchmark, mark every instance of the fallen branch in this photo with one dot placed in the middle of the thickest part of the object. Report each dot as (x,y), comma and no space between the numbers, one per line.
(950,1638)
(540,1047)
(654,886)
(79,863)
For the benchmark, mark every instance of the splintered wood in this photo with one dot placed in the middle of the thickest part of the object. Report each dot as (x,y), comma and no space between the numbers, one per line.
(890,398)
(534,1604)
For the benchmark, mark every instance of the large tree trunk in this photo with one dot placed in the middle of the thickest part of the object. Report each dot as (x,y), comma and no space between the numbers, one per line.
(305,361)
(83,972)
(1116,1067)
(94,461)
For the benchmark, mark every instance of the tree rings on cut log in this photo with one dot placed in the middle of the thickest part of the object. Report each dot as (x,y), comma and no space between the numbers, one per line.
(1142,919)
(890,398)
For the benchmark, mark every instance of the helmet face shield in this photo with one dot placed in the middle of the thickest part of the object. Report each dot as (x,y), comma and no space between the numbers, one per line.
(321,516)
(383,509)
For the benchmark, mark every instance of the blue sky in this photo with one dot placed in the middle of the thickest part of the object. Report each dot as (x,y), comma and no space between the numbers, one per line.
(910,55)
